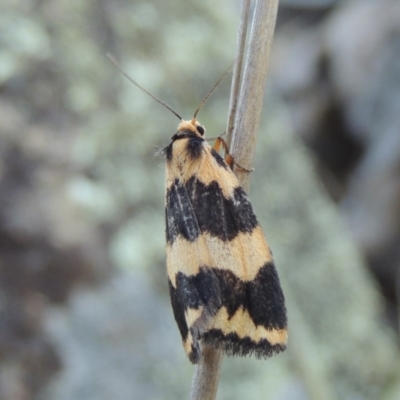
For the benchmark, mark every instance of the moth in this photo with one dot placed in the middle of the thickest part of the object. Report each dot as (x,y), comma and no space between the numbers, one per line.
(224,287)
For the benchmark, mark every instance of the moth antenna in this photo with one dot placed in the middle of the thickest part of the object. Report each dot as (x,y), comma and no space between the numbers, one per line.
(114,61)
(211,91)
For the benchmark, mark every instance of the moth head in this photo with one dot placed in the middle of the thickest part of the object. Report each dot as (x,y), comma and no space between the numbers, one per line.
(192,126)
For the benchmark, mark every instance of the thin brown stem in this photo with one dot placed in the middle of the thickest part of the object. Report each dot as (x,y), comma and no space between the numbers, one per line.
(246,111)
(252,89)
(237,68)
(206,375)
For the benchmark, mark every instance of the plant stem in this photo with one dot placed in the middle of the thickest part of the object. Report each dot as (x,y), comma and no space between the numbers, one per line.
(206,375)
(237,69)
(245,110)
(251,96)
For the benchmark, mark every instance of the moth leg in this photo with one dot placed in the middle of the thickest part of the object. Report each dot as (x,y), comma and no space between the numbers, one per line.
(228,157)
(243,168)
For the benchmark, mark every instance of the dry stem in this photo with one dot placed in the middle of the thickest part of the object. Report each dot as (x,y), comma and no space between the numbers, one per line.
(245,110)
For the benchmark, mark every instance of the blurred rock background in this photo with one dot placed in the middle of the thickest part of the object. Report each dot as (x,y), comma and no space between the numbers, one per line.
(84,308)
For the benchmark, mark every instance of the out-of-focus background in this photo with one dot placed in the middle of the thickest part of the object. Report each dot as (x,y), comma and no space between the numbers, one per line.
(84,307)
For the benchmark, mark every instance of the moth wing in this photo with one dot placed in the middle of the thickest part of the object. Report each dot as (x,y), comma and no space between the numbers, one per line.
(252,317)
(223,284)
(194,288)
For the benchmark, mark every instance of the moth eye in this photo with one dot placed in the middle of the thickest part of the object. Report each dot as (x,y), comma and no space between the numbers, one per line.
(200,129)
